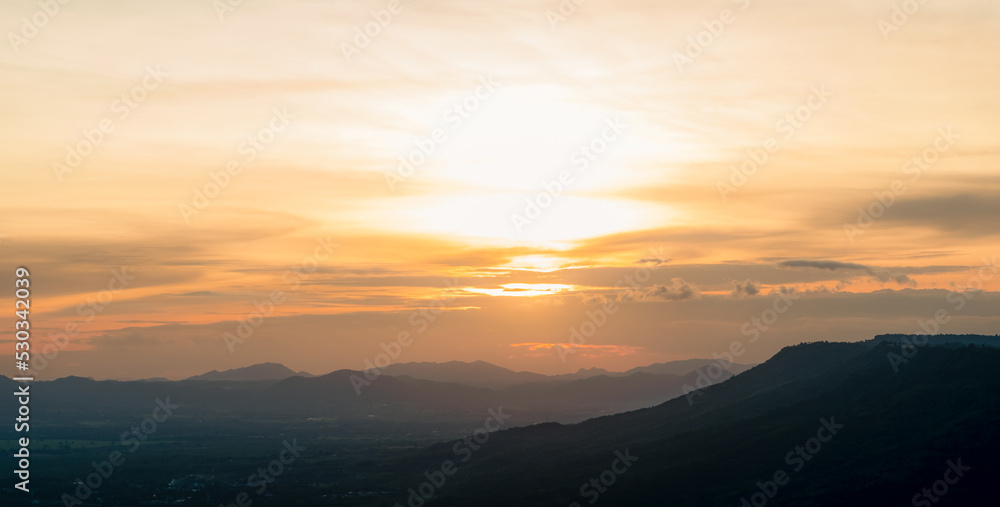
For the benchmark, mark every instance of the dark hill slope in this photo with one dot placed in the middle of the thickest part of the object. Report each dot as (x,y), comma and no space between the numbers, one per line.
(899,431)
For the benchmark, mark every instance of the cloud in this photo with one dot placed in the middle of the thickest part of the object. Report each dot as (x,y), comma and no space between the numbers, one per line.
(198,293)
(653,260)
(900,278)
(593,299)
(881,274)
(325,343)
(830,265)
(678,290)
(747,288)
(966,214)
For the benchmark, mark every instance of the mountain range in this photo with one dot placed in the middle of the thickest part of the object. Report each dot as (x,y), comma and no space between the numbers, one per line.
(836,421)
(483,374)
(274,388)
(872,423)
(476,373)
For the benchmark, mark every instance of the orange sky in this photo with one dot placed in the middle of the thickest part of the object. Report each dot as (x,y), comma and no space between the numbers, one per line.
(219,157)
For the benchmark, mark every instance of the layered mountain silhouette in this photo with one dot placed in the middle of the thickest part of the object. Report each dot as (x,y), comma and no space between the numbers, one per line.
(273,388)
(894,432)
(476,373)
(483,374)
(876,423)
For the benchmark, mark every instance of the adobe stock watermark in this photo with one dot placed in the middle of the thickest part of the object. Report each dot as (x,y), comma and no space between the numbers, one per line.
(267,475)
(900,15)
(464,449)
(751,329)
(758,157)
(365,34)
(797,458)
(630,285)
(94,136)
(592,489)
(32,25)
(912,344)
(565,10)
(131,440)
(88,311)
(581,159)
(224,7)
(454,116)
(420,321)
(699,42)
(219,180)
(769,316)
(914,167)
(952,474)
(294,276)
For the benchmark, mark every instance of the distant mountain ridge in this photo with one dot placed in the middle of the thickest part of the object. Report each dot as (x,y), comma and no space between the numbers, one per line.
(476,374)
(388,399)
(491,376)
(488,375)
(262,371)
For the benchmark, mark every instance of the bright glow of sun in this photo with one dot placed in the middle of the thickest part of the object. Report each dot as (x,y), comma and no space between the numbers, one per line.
(523,289)
(513,173)
(543,263)
(491,216)
(518,137)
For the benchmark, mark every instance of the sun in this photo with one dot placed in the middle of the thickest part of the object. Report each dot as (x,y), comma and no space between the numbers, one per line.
(518,137)
(497,216)
(512,174)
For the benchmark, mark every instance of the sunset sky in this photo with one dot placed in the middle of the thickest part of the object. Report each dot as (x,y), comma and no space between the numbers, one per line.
(826,103)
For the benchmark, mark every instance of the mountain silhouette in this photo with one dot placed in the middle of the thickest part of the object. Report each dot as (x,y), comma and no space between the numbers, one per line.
(900,429)
(262,371)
